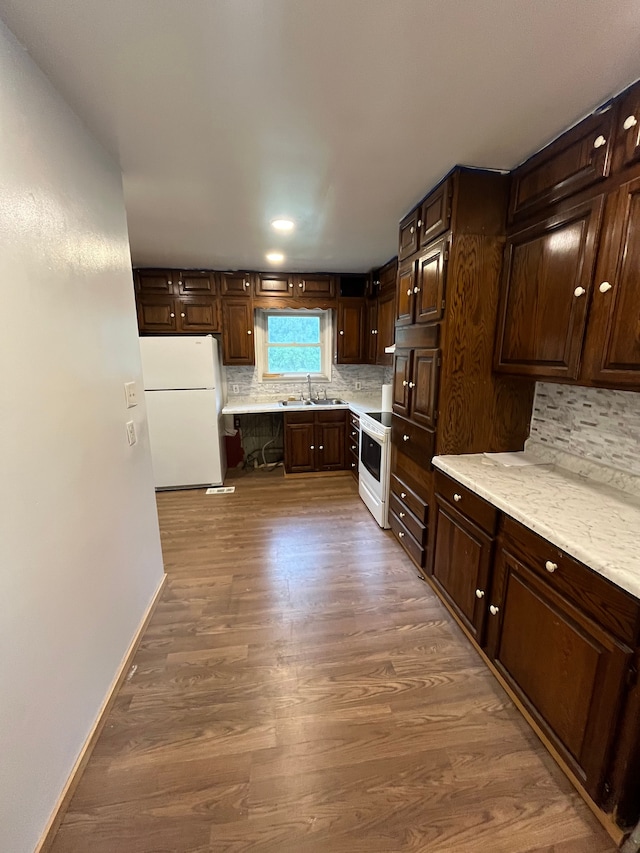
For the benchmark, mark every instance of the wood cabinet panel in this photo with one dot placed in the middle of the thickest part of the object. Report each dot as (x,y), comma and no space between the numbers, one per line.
(568,671)
(628,126)
(405,294)
(423,387)
(274,284)
(299,446)
(435,212)
(313,286)
(350,338)
(235,283)
(371,331)
(409,237)
(237,332)
(157,314)
(612,347)
(385,327)
(462,559)
(330,438)
(197,282)
(412,440)
(408,496)
(315,441)
(547,279)
(401,374)
(150,281)
(198,315)
(574,161)
(402,533)
(410,521)
(431,280)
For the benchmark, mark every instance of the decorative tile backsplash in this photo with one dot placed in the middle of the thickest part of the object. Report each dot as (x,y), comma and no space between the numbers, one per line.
(593,423)
(343,379)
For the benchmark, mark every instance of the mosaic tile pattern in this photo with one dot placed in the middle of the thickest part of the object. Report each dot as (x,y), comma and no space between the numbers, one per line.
(593,423)
(343,379)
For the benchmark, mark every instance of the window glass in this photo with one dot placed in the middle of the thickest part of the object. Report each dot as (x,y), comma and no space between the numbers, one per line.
(292,343)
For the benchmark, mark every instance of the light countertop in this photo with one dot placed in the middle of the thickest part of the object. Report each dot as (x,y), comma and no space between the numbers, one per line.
(596,523)
(249,407)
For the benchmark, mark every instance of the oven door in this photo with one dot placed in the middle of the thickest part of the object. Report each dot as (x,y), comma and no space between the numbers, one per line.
(371,454)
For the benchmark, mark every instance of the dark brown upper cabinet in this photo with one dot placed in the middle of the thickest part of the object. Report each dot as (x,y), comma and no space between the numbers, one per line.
(274,284)
(237,332)
(429,298)
(157,314)
(371,331)
(406,293)
(628,126)
(435,212)
(546,288)
(153,281)
(350,338)
(612,346)
(574,161)
(197,282)
(409,237)
(236,283)
(415,385)
(385,327)
(314,286)
(401,375)
(198,314)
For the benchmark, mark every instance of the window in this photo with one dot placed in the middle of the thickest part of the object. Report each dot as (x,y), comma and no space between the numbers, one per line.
(293,343)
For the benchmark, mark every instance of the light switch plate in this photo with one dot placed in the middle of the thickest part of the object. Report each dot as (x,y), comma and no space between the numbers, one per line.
(131,433)
(131,394)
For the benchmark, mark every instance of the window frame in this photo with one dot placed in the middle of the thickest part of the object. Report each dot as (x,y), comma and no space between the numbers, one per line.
(262,343)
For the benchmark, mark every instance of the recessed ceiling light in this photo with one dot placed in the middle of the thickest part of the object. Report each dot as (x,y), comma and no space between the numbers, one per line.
(283,225)
(275,257)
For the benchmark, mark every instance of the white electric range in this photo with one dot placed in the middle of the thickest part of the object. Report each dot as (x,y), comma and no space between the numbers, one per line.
(375,464)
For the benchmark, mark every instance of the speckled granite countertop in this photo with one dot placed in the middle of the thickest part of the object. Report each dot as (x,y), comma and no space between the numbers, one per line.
(593,521)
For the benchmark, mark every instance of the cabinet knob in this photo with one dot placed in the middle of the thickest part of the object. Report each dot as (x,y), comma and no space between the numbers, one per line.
(321,447)
(604,287)
(301,284)
(550,567)
(405,438)
(354,432)
(341,332)
(312,447)
(599,141)
(629,122)
(290,284)
(182,314)
(412,385)
(404,381)
(354,446)
(579,291)
(419,222)
(375,331)
(457,498)
(412,230)
(249,332)
(400,534)
(245,283)
(416,290)
(493,610)
(409,292)
(169,281)
(172,314)
(403,495)
(479,593)
(402,514)
(353,464)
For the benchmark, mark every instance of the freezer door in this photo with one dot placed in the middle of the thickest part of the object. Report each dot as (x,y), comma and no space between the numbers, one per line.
(179,362)
(184,435)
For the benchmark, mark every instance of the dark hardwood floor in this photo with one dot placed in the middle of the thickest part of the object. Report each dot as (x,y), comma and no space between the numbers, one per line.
(300,689)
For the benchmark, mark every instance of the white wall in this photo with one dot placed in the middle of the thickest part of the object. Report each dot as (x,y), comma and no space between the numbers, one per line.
(79,547)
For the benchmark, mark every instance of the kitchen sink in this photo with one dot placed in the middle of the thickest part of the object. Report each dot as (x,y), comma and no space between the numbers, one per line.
(295,404)
(334,402)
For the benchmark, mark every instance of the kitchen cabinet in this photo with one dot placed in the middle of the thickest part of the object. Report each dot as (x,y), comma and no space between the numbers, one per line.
(568,670)
(409,237)
(371,331)
(576,160)
(237,332)
(274,284)
(446,397)
(198,315)
(177,315)
(154,282)
(612,346)
(314,286)
(546,287)
(236,284)
(353,444)
(315,441)
(628,127)
(350,332)
(408,514)
(463,530)
(198,282)
(384,330)
(296,287)
(157,314)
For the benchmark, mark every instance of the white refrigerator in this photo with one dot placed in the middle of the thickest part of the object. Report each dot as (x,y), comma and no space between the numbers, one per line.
(183,396)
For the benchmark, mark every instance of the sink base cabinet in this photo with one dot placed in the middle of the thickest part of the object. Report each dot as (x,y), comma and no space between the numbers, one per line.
(315,441)
(563,640)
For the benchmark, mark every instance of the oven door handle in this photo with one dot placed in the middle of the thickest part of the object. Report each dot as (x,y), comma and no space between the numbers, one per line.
(381,439)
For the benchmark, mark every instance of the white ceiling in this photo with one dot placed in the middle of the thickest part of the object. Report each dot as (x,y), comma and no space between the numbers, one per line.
(340,113)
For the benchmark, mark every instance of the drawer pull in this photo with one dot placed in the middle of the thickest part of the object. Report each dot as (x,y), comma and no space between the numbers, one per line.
(599,141)
(403,495)
(629,122)
(479,593)
(550,567)
(354,446)
(493,610)
(457,498)
(402,514)
(405,438)
(400,534)
(604,287)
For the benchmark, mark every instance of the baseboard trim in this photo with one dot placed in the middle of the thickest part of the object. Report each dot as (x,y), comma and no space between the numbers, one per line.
(62,804)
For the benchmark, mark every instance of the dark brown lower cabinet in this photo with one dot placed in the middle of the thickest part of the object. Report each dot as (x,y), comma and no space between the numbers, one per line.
(315,441)
(568,671)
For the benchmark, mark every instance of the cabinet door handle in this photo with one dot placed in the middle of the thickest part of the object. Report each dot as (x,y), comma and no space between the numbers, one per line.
(416,290)
(629,122)
(457,498)
(169,282)
(404,381)
(249,332)
(312,447)
(550,567)
(412,385)
(400,534)
(579,291)
(354,446)
(412,230)
(353,432)
(353,464)
(290,284)
(183,314)
(403,495)
(172,314)
(599,141)
(409,292)
(301,284)
(419,222)
(479,593)
(321,447)
(605,286)
(405,438)
(493,610)
(402,514)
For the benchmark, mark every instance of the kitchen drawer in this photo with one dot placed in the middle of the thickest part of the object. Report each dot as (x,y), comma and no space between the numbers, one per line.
(573,162)
(305,417)
(410,499)
(331,416)
(405,538)
(413,525)
(466,502)
(607,604)
(354,421)
(414,441)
